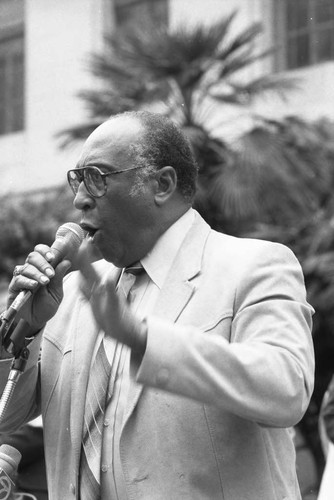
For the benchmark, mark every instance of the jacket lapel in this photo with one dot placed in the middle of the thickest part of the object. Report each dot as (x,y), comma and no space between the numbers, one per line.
(81,361)
(178,287)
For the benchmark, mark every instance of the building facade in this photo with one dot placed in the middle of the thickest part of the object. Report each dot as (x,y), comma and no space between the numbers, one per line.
(45,44)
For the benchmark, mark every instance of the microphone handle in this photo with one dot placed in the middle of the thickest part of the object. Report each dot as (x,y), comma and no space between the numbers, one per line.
(10,313)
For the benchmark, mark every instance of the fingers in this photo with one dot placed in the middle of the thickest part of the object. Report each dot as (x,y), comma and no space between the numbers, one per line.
(40,259)
(36,271)
(83,260)
(89,277)
(102,296)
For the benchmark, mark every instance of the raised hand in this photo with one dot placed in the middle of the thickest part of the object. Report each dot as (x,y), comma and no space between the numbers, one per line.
(110,309)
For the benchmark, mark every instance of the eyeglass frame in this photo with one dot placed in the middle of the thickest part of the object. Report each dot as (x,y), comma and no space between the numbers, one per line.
(102,174)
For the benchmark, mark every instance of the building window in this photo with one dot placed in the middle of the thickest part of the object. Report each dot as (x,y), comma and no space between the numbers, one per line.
(132,13)
(11,84)
(307,32)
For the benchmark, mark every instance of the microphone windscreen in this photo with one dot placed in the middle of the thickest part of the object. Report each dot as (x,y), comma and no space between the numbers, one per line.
(73,234)
(9,459)
(69,237)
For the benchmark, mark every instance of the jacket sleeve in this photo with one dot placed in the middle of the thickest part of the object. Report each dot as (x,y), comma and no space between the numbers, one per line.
(264,371)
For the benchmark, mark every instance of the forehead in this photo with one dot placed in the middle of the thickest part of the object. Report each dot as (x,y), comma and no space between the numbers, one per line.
(111,143)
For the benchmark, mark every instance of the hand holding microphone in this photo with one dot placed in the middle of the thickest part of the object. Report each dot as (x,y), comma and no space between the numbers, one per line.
(40,278)
(35,293)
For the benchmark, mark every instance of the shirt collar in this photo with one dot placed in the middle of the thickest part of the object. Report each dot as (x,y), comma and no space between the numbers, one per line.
(159,260)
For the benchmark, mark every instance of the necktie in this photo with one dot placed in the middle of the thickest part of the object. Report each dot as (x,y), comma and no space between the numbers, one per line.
(134,269)
(99,393)
(129,277)
(97,397)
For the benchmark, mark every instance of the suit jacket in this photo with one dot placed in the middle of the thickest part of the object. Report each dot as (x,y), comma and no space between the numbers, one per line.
(227,370)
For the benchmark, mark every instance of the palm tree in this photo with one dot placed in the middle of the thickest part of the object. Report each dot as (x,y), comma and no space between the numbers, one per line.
(197,76)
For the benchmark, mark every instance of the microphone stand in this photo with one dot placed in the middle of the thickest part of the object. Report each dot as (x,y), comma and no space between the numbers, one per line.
(15,342)
(17,368)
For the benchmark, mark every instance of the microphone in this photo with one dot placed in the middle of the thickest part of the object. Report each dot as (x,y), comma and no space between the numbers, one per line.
(9,461)
(69,237)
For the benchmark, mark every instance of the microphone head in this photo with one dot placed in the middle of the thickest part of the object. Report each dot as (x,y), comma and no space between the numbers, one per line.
(68,240)
(9,459)
(71,229)
(72,233)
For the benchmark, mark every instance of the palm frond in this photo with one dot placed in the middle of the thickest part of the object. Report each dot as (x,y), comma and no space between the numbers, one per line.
(241,40)
(244,93)
(264,181)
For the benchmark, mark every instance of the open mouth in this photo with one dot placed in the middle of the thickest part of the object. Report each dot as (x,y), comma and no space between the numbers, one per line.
(90,230)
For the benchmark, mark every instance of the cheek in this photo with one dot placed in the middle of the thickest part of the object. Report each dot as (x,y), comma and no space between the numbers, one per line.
(122,212)
(142,206)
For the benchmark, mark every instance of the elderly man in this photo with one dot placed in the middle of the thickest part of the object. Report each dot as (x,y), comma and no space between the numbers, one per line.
(173,368)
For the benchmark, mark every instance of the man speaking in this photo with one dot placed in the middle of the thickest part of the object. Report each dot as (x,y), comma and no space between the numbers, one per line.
(173,368)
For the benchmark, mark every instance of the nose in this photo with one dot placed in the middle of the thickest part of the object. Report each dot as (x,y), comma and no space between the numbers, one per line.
(83,200)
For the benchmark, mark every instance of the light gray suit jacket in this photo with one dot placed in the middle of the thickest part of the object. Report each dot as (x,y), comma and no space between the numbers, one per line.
(227,370)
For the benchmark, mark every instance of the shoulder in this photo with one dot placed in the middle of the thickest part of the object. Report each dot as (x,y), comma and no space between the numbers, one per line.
(252,266)
(245,251)
(236,258)
(223,246)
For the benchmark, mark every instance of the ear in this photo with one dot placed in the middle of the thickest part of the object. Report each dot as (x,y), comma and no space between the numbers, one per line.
(166,184)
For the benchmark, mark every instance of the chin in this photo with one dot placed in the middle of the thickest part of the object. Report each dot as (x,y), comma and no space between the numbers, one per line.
(96,253)
(112,258)
(114,254)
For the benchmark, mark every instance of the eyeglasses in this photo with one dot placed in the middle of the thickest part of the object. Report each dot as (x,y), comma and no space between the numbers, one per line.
(94,180)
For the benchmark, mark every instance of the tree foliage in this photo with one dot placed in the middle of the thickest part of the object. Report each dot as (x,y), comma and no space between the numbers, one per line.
(27,220)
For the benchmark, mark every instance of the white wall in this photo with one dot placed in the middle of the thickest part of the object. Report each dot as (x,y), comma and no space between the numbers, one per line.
(211,11)
(312,99)
(193,11)
(59,35)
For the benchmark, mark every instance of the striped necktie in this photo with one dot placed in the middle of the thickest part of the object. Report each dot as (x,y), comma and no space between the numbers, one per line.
(98,396)
(99,393)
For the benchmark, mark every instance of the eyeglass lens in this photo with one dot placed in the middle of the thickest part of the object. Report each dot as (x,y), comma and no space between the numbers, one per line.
(92,179)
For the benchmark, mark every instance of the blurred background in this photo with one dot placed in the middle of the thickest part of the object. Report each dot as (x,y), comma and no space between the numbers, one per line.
(250,81)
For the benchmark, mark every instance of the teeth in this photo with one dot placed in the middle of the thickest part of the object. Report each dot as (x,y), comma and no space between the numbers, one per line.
(90,232)
(90,236)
